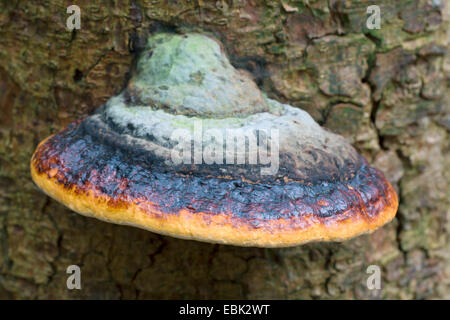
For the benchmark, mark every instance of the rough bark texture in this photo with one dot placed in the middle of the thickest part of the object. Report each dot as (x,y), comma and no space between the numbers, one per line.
(386,90)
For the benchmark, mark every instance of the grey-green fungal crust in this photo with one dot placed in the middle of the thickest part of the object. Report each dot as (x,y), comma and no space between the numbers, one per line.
(190,74)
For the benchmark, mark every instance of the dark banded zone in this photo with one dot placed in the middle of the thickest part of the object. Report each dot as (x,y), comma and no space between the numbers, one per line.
(323,164)
(77,161)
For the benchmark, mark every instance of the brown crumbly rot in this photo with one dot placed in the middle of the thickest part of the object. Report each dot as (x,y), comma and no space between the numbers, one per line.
(115,165)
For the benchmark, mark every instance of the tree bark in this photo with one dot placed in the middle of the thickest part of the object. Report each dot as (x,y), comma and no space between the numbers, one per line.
(386,90)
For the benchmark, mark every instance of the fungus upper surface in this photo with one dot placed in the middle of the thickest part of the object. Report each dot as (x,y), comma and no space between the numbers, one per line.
(118,165)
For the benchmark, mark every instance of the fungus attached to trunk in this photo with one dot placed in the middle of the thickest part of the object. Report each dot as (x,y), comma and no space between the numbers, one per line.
(192,149)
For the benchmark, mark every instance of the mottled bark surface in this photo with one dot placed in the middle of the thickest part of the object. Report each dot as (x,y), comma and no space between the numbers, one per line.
(386,90)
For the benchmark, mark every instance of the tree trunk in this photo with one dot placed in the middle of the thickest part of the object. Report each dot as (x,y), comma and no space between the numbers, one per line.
(384,89)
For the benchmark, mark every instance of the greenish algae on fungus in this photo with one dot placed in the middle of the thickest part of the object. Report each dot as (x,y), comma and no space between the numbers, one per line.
(118,164)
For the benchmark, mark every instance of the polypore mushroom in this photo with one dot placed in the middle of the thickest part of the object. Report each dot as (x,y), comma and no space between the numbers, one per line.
(161,156)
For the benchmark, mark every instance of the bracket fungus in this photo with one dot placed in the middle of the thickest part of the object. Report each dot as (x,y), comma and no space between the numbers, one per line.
(193,149)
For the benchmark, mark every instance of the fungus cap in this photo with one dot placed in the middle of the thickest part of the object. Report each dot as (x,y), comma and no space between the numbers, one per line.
(193,149)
